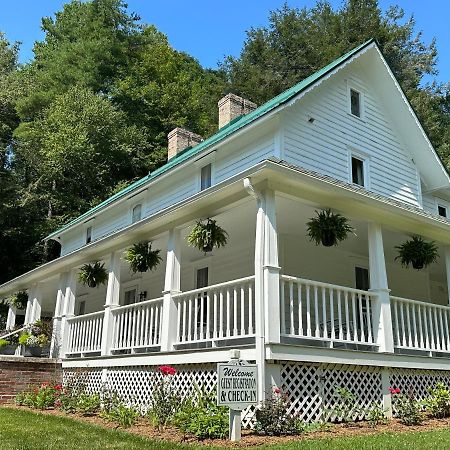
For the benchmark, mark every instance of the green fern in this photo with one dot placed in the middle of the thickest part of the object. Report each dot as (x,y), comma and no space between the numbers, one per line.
(93,275)
(141,257)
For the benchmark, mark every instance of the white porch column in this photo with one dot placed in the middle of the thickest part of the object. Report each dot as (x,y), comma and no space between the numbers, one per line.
(68,308)
(36,304)
(112,301)
(381,308)
(55,345)
(29,306)
(171,287)
(447,269)
(11,318)
(267,283)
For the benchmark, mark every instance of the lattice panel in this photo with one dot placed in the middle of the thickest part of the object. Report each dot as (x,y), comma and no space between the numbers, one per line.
(88,380)
(363,382)
(302,384)
(418,381)
(311,387)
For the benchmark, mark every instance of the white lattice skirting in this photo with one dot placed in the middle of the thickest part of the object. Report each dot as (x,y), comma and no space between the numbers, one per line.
(310,387)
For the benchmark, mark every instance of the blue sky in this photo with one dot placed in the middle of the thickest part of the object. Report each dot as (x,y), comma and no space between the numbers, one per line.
(209,30)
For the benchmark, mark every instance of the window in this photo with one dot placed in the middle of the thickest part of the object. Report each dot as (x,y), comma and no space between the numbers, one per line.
(362,278)
(357,171)
(130,296)
(355,103)
(362,282)
(205,177)
(88,235)
(136,213)
(442,211)
(82,308)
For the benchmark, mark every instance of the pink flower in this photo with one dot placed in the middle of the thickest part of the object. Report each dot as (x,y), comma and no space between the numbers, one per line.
(394,391)
(276,390)
(167,370)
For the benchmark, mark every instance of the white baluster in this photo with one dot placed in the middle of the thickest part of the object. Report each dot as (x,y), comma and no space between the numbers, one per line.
(250,309)
(339,302)
(308,311)
(300,309)
(242,311)
(221,317)
(316,311)
(324,315)
(291,305)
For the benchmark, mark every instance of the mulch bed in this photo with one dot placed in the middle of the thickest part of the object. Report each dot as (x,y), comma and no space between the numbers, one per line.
(249,438)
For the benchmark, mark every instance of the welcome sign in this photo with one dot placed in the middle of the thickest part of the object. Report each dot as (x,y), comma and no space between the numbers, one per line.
(237,385)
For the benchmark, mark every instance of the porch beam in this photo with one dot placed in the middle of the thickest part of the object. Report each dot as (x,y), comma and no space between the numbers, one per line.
(111,302)
(171,287)
(381,307)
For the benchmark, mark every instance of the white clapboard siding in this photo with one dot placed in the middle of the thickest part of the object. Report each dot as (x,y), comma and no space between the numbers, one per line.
(324,145)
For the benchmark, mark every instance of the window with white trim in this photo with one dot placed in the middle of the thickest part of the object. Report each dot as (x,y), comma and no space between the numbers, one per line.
(88,235)
(129,296)
(136,213)
(358,170)
(355,103)
(205,177)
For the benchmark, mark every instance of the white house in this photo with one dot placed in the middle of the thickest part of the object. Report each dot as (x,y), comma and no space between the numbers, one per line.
(312,317)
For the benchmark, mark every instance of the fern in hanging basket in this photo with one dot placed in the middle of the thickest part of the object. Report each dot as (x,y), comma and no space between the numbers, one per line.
(93,275)
(417,252)
(18,300)
(328,228)
(141,257)
(206,235)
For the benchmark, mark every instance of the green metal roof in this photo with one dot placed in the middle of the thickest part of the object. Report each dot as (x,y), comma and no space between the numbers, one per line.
(225,131)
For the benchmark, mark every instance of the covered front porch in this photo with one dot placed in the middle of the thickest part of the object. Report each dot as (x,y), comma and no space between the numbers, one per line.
(268,285)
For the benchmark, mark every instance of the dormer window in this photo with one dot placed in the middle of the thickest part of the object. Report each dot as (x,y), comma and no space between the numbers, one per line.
(88,235)
(357,171)
(205,177)
(442,211)
(136,214)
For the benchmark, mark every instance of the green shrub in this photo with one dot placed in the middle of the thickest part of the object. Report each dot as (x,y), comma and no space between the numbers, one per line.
(273,417)
(125,416)
(201,416)
(345,407)
(376,415)
(438,403)
(407,409)
(24,338)
(45,396)
(87,404)
(3,343)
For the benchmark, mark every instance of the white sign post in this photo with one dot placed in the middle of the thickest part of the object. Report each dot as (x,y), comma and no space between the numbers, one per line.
(237,388)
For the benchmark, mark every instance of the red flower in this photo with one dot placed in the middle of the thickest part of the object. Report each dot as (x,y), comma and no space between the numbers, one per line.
(58,387)
(167,370)
(394,391)
(276,390)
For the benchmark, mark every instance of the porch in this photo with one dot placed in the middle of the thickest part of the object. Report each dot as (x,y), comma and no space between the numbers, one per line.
(270,285)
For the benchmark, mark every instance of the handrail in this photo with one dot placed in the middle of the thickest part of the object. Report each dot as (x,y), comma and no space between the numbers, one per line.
(214,286)
(327,285)
(13,333)
(420,303)
(132,305)
(84,316)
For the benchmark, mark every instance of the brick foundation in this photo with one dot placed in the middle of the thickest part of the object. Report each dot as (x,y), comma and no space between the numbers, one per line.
(16,374)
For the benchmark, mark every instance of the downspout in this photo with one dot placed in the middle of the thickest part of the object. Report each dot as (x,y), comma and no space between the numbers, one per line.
(259,287)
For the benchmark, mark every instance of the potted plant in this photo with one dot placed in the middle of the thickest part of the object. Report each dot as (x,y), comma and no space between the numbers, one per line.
(36,337)
(8,346)
(417,252)
(141,257)
(328,228)
(18,300)
(206,235)
(93,275)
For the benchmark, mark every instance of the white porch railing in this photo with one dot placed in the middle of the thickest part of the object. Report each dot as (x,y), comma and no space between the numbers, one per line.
(321,311)
(137,325)
(420,326)
(219,312)
(85,333)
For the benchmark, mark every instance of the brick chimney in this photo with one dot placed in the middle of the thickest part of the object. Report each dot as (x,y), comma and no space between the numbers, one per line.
(179,139)
(232,106)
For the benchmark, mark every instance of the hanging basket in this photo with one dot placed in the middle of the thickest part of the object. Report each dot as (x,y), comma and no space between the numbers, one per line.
(93,275)
(328,228)
(207,235)
(417,252)
(142,258)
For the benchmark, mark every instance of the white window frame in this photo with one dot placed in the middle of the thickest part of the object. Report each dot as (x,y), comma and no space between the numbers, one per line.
(352,86)
(86,234)
(202,162)
(443,204)
(128,286)
(210,176)
(364,157)
(132,212)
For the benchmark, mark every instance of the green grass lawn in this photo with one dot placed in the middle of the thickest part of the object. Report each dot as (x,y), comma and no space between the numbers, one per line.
(24,430)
